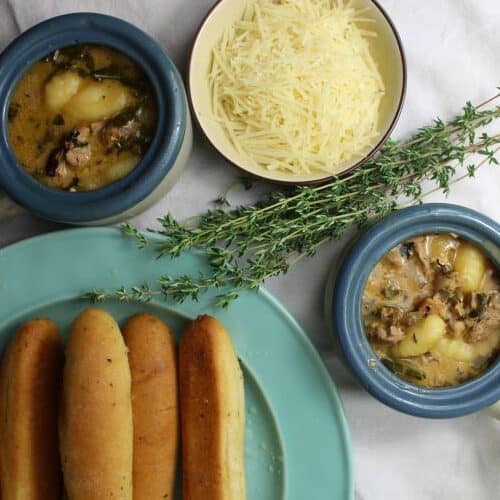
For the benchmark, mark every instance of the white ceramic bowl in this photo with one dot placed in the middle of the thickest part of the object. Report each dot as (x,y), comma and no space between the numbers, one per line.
(386,49)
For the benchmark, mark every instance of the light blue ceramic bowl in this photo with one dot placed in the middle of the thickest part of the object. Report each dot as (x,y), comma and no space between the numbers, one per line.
(166,155)
(347,322)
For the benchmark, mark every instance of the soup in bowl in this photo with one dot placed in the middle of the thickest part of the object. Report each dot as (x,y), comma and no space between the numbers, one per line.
(431,310)
(414,307)
(82,117)
(95,120)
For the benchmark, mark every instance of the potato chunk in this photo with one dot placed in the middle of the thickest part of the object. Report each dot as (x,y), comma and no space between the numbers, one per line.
(99,100)
(462,351)
(122,167)
(421,337)
(470,264)
(61,88)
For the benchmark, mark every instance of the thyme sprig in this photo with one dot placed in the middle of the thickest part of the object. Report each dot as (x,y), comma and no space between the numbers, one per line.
(248,244)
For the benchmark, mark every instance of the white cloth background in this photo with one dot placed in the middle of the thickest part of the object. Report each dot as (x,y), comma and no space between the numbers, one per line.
(453,50)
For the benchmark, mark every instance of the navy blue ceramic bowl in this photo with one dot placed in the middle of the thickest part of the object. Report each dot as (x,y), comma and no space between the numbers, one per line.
(347,322)
(166,155)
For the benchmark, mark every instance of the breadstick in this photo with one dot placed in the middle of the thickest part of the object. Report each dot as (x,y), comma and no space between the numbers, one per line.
(212,413)
(30,379)
(96,412)
(153,366)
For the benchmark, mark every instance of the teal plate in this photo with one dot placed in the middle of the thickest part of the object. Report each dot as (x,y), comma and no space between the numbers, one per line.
(297,444)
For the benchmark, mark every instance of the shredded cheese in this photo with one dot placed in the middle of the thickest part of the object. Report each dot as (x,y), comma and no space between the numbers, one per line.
(294,85)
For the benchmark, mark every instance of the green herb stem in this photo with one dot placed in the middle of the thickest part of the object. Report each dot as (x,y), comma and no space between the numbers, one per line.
(246,245)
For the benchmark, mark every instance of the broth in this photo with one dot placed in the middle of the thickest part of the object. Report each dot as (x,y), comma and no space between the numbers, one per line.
(81,118)
(431,310)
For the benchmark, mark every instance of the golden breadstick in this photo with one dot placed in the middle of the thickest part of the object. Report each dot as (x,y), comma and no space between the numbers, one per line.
(30,379)
(96,412)
(212,413)
(153,366)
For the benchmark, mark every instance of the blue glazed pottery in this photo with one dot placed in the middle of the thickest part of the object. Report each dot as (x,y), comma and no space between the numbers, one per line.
(166,155)
(345,310)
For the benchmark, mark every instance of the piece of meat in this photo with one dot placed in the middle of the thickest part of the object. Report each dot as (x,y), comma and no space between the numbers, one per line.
(396,334)
(62,170)
(76,147)
(387,326)
(447,282)
(83,134)
(392,334)
(420,246)
(59,170)
(395,259)
(391,315)
(487,322)
(124,129)
(115,136)
(410,318)
(78,156)
(56,165)
(74,152)
(434,305)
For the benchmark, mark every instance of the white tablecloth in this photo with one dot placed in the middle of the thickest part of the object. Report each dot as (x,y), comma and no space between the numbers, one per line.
(453,50)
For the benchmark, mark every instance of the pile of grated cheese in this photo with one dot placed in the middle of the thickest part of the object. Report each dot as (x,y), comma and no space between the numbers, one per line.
(295,87)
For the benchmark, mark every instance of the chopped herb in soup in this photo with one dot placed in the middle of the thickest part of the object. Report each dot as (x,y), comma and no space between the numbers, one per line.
(431,310)
(81,118)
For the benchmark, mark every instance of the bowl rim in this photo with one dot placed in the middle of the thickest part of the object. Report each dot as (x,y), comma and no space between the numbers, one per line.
(159,158)
(314,182)
(346,317)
